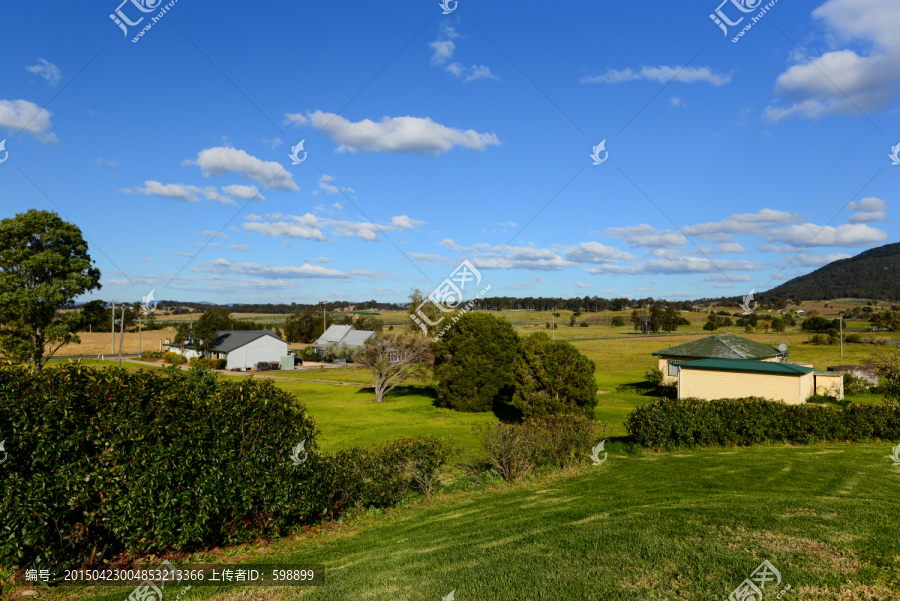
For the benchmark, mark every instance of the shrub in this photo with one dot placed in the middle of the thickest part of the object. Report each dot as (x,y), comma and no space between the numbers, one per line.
(584,324)
(220,363)
(553,377)
(474,362)
(740,422)
(153,354)
(618,321)
(309,354)
(515,450)
(855,385)
(102,462)
(654,375)
(174,358)
(854,338)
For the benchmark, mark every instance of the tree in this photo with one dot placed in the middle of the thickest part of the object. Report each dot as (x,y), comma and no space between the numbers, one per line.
(433,320)
(778,324)
(369,323)
(640,320)
(474,362)
(93,314)
(888,367)
(711,326)
(553,377)
(394,358)
(206,329)
(305,327)
(618,320)
(44,266)
(816,324)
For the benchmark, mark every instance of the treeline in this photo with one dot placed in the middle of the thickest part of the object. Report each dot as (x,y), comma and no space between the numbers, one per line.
(587,304)
(180,308)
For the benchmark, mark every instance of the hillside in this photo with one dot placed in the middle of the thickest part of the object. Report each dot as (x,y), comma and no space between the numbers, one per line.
(872,274)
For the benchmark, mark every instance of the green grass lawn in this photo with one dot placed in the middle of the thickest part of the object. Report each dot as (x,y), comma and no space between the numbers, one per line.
(647,527)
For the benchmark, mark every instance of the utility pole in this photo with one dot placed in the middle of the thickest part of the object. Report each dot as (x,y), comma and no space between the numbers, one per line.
(113,328)
(140,348)
(553,325)
(121,335)
(841,317)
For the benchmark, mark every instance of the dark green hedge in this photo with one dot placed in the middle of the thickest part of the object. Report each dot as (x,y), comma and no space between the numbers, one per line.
(103,462)
(739,422)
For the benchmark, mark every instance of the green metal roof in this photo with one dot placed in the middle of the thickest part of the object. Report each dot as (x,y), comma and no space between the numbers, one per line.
(827,373)
(762,367)
(721,346)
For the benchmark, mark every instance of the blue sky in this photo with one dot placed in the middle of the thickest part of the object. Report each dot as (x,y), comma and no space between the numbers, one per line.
(433,138)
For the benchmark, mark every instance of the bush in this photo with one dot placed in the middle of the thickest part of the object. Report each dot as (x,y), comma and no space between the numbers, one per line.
(174,358)
(153,354)
(584,324)
(740,422)
(220,363)
(855,385)
(654,375)
(515,450)
(854,338)
(309,354)
(102,462)
(553,377)
(474,362)
(618,321)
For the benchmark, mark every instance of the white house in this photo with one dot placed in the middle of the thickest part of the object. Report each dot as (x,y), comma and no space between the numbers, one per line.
(342,335)
(242,348)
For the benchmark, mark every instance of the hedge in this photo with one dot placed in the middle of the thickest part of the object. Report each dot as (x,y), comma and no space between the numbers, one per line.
(108,462)
(747,421)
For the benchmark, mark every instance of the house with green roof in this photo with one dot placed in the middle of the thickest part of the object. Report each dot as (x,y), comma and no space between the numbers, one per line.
(719,346)
(734,378)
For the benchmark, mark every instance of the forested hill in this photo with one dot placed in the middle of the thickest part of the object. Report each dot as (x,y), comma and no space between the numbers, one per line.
(872,274)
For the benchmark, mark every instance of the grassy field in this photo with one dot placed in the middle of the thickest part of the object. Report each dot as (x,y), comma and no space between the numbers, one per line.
(642,527)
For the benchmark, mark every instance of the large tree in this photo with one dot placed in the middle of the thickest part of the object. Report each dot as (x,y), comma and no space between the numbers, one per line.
(394,358)
(207,328)
(474,362)
(44,266)
(553,377)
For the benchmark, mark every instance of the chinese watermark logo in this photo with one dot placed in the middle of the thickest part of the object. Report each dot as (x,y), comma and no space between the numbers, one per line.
(601,147)
(295,453)
(745,6)
(447,10)
(5,454)
(148,591)
(748,300)
(595,454)
(6,156)
(148,305)
(752,588)
(447,297)
(451,596)
(894,152)
(145,6)
(296,160)
(895,456)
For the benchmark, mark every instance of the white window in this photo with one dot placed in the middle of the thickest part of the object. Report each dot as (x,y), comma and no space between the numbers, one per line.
(673,369)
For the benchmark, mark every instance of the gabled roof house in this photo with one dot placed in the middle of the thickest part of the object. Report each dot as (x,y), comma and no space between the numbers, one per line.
(719,346)
(242,348)
(342,335)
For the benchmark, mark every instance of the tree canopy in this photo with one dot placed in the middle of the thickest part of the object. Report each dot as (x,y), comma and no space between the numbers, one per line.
(44,266)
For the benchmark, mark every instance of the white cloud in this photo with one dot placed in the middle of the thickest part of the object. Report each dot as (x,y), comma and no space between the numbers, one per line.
(580,285)
(594,252)
(867,217)
(741,223)
(868,210)
(809,234)
(324,260)
(240,247)
(180,254)
(470,73)
(212,234)
(485,256)
(399,135)
(812,260)
(682,265)
(537,280)
(869,79)
(661,74)
(274,142)
(508,224)
(646,236)
(219,160)
(517,287)
(18,114)
(428,257)
(148,259)
(369,231)
(47,70)
(245,192)
(305,226)
(305,272)
(108,162)
(172,191)
(296,118)
(731,247)
(205,244)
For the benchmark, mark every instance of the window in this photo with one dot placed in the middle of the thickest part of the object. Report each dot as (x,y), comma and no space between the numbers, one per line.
(673,369)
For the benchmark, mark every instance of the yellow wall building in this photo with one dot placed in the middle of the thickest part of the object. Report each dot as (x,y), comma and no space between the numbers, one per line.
(720,346)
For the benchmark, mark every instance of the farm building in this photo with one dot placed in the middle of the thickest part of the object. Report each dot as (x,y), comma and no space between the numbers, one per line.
(242,348)
(731,378)
(720,346)
(339,335)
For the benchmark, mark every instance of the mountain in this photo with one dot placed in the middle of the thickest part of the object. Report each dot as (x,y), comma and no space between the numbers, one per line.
(872,274)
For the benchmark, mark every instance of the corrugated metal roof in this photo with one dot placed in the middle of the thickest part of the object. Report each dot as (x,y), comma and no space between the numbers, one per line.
(721,346)
(232,339)
(827,373)
(766,367)
(357,337)
(343,334)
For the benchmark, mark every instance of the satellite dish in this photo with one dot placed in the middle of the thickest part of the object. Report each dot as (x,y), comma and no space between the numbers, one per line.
(782,347)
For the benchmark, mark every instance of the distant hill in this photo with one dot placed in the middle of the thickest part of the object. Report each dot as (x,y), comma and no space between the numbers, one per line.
(872,274)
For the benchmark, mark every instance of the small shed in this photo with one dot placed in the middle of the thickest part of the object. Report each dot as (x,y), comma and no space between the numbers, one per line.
(241,348)
(734,378)
(719,346)
(829,383)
